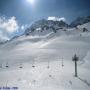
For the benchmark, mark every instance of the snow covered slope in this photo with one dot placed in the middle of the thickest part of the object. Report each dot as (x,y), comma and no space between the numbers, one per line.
(45,62)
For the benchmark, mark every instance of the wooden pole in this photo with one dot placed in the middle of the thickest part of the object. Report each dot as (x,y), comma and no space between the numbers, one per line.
(48,64)
(62,62)
(75,59)
(76,69)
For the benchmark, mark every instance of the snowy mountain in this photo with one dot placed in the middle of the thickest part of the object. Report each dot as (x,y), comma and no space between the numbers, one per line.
(42,27)
(80,21)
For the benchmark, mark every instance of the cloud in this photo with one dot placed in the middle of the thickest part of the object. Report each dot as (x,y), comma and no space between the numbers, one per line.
(9,25)
(9,28)
(56,18)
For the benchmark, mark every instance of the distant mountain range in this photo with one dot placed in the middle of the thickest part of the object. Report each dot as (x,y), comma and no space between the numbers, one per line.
(80,21)
(45,25)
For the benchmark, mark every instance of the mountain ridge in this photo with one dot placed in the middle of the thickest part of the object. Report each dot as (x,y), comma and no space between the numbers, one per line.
(44,27)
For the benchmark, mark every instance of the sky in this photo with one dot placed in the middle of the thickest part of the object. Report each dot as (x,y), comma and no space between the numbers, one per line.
(27,11)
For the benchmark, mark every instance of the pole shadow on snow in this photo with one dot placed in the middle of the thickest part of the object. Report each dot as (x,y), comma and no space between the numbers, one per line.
(84,81)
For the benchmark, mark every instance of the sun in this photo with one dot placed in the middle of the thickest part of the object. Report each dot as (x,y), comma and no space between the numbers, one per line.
(32,2)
